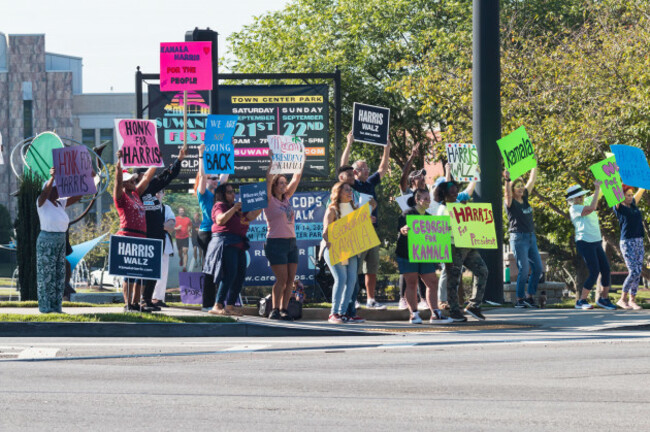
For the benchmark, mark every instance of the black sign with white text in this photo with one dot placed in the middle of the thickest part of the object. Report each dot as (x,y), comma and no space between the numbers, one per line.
(370,124)
(135,257)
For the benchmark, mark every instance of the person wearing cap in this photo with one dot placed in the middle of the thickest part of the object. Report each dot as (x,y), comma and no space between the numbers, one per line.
(589,244)
(630,220)
(523,242)
(51,246)
(366,183)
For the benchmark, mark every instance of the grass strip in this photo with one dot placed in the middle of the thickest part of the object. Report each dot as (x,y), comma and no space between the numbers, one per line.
(34,303)
(115,318)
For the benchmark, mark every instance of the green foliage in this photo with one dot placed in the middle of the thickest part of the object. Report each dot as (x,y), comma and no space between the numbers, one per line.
(5,225)
(27,230)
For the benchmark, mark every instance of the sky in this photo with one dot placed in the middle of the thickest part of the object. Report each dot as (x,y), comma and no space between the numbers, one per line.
(113,37)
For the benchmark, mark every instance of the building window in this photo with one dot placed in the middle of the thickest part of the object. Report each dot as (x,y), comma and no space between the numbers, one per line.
(88,137)
(28,119)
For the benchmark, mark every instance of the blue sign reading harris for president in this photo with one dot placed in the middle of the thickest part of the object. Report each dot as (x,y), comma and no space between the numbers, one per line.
(134,257)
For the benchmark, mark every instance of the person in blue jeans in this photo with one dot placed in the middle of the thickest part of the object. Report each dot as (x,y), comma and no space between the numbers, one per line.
(523,242)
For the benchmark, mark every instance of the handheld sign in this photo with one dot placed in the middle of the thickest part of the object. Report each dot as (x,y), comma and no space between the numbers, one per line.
(185,66)
(633,165)
(288,154)
(138,141)
(518,153)
(607,172)
(73,171)
(472,225)
(429,238)
(364,198)
(351,235)
(402,201)
(463,159)
(38,159)
(370,124)
(219,156)
(253,197)
(191,287)
(135,257)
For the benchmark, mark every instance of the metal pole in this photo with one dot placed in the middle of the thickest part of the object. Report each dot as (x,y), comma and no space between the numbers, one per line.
(487,130)
(138,94)
(337,118)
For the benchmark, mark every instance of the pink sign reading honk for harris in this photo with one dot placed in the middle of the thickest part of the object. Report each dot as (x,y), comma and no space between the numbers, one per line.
(138,140)
(185,66)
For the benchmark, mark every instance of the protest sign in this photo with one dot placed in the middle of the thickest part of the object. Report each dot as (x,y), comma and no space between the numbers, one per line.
(191,287)
(253,196)
(185,66)
(429,238)
(463,159)
(351,235)
(612,187)
(402,201)
(370,124)
(364,198)
(518,153)
(472,225)
(219,156)
(73,171)
(633,165)
(138,141)
(288,154)
(134,257)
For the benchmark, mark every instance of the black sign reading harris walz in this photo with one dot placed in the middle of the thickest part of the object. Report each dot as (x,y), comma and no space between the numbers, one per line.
(370,124)
(135,257)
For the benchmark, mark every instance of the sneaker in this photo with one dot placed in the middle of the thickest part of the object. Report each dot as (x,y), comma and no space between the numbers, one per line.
(583,304)
(345,318)
(357,305)
(605,303)
(356,320)
(402,304)
(161,304)
(149,304)
(372,304)
(415,319)
(423,305)
(335,319)
(623,304)
(284,315)
(520,304)
(475,312)
(457,316)
(275,314)
(633,304)
(438,318)
(530,302)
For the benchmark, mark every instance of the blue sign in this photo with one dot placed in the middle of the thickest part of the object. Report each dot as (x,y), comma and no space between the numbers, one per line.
(633,165)
(135,257)
(219,156)
(253,196)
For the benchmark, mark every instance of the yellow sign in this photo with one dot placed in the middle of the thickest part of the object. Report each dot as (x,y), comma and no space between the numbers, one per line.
(472,225)
(351,235)
(276,99)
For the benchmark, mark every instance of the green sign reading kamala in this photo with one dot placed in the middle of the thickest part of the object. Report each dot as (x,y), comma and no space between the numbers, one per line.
(429,238)
(518,153)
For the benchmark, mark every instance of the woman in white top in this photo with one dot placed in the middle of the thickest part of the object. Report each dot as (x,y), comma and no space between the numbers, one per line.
(50,246)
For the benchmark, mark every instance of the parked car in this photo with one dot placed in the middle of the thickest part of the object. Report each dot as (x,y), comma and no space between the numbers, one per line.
(96,279)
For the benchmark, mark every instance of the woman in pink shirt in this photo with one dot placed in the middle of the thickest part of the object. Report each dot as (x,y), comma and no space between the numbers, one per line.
(280,248)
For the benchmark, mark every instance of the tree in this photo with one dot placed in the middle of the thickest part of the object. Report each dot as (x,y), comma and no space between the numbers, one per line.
(27,230)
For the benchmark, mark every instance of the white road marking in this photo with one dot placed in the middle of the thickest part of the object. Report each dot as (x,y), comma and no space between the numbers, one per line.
(246,348)
(38,353)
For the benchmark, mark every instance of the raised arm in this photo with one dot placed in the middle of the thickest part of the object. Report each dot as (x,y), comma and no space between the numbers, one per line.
(269,176)
(117,186)
(531,180)
(594,201)
(403,181)
(470,188)
(293,184)
(385,160)
(45,193)
(638,195)
(448,172)
(507,194)
(151,172)
(345,157)
(202,180)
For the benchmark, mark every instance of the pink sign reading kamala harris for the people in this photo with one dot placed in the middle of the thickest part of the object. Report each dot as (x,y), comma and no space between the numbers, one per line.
(185,66)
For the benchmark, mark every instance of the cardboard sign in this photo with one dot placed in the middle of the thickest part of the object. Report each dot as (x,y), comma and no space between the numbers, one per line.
(73,171)
(463,159)
(134,257)
(288,154)
(402,201)
(518,153)
(138,141)
(612,187)
(429,238)
(633,165)
(191,287)
(219,156)
(364,198)
(472,225)
(351,235)
(370,124)
(185,66)
(253,197)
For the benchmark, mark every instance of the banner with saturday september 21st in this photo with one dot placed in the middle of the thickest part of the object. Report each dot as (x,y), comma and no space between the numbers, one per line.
(472,225)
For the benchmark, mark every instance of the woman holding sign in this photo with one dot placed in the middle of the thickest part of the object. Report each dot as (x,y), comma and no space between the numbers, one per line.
(631,222)
(280,248)
(414,271)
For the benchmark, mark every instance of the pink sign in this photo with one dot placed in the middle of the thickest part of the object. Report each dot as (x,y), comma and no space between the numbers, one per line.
(73,171)
(185,66)
(138,140)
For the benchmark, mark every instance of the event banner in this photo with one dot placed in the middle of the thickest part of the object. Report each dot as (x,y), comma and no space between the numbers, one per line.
(351,235)
(191,287)
(370,124)
(472,225)
(219,156)
(287,154)
(518,153)
(73,171)
(134,257)
(633,165)
(138,141)
(253,196)
(429,238)
(612,187)
(463,159)
(185,66)
(309,208)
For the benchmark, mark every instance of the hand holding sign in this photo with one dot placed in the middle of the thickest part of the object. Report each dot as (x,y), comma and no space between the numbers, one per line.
(429,238)
(607,172)
(287,154)
(254,196)
(370,124)
(463,162)
(633,165)
(138,142)
(73,171)
(518,153)
(219,157)
(472,225)
(185,66)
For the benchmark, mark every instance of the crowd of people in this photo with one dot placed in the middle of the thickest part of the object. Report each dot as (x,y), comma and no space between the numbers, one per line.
(219,238)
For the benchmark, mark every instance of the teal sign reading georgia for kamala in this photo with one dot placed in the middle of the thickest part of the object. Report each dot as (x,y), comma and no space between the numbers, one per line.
(518,153)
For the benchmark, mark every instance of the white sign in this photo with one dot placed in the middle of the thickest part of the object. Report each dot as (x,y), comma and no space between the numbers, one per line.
(287,153)
(463,159)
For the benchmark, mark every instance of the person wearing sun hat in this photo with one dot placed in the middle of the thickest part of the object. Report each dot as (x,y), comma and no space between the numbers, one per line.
(589,244)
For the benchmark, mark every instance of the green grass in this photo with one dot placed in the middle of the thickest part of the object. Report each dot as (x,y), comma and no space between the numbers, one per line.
(115,317)
(34,303)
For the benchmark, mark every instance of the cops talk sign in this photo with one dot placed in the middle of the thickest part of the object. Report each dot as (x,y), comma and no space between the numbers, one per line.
(518,153)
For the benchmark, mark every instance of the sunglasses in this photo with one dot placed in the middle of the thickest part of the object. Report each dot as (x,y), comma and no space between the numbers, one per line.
(213,178)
